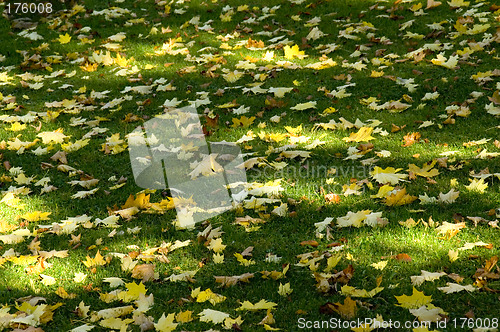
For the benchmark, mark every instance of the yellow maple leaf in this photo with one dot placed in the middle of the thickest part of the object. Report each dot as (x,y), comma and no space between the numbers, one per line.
(242,122)
(291,52)
(383,191)
(103,58)
(387,175)
(243,261)
(460,28)
(347,309)
(228,281)
(11,200)
(232,76)
(52,137)
(354,292)
(261,305)
(89,67)
(284,290)
(230,322)
(363,135)
(426,170)
(458,3)
(121,61)
(410,223)
(452,255)
(415,301)
(36,216)
(428,313)
(114,144)
(449,63)
(213,316)
(377,73)
(5,226)
(116,323)
(207,295)
(23,179)
(477,185)
(184,316)
(218,258)
(275,275)
(450,229)
(354,219)
(64,39)
(48,280)
(18,145)
(97,260)
(216,245)
(426,276)
(268,327)
(399,198)
(380,265)
(329,110)
(166,324)
(133,292)
(416,7)
(64,294)
(276,137)
(304,106)
(77,145)
(79,277)
(332,261)
(84,193)
(141,201)
(279,92)
(268,56)
(23,259)
(16,126)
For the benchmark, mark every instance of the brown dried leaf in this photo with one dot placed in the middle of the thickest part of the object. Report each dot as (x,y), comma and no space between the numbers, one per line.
(402,257)
(312,243)
(146,272)
(458,279)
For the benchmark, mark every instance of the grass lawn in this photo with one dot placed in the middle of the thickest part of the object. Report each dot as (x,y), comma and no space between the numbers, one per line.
(370,135)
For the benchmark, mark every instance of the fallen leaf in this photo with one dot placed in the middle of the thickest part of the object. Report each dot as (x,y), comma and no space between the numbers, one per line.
(415,301)
(346,310)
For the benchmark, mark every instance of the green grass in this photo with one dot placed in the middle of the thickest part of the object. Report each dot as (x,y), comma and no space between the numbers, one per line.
(305,182)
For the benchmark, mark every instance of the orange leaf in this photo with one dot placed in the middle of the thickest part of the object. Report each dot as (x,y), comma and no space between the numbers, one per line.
(38,268)
(254,43)
(411,138)
(332,198)
(403,257)
(89,67)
